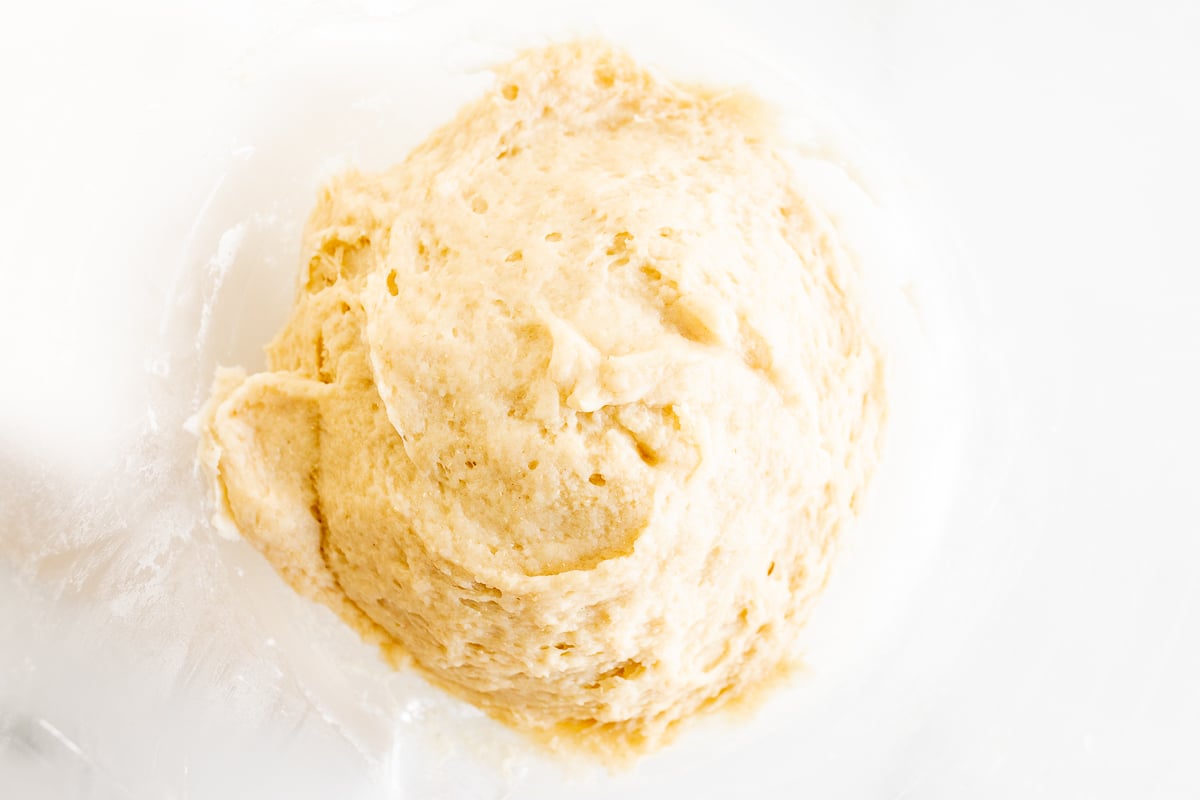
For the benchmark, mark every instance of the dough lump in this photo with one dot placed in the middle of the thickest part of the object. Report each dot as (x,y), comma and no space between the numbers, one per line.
(572,406)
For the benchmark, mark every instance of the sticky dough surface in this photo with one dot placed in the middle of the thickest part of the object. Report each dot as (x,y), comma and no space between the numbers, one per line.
(572,406)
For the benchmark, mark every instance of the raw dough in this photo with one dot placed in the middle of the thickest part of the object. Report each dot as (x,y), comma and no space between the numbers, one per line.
(572,407)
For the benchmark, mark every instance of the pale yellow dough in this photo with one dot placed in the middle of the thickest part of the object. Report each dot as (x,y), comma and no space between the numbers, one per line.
(572,407)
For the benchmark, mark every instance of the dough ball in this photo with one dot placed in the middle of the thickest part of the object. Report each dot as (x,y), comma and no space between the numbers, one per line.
(573,404)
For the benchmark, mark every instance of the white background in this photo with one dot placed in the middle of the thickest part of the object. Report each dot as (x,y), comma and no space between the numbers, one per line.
(1053,649)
